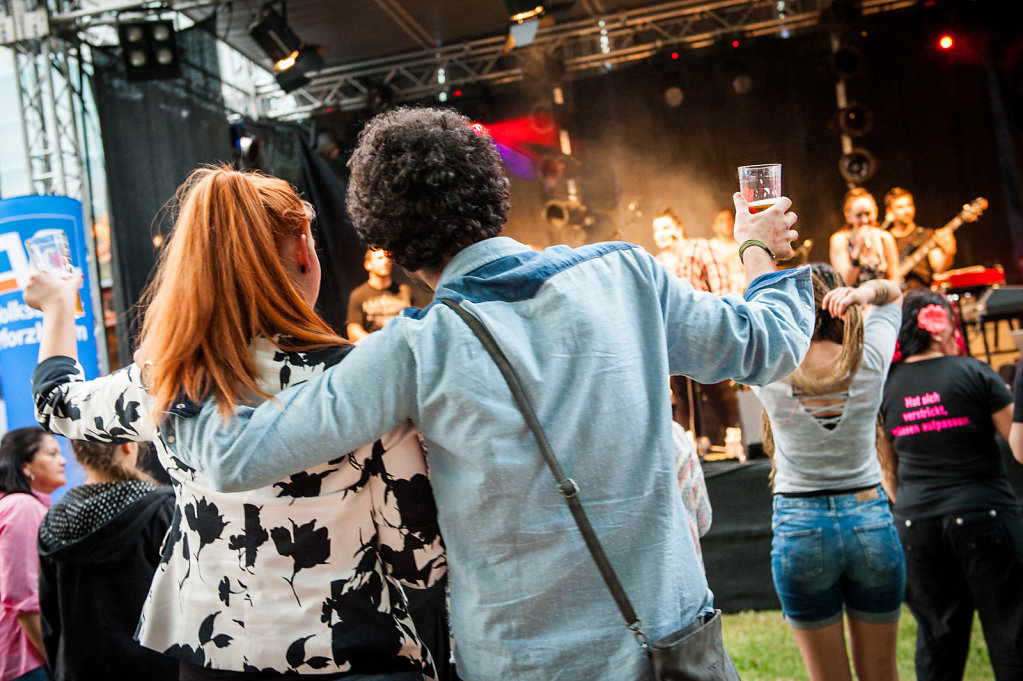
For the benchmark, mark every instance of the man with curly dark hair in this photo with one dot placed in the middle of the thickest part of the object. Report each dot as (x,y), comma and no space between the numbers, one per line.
(423,187)
(593,332)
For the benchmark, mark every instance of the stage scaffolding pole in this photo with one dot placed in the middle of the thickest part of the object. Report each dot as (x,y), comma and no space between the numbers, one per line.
(45,68)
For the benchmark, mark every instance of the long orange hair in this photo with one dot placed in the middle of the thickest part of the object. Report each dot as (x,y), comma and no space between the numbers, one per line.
(221,283)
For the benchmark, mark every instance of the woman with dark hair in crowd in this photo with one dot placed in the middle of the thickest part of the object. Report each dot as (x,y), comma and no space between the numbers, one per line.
(302,575)
(957,514)
(862,251)
(31,468)
(835,546)
(98,549)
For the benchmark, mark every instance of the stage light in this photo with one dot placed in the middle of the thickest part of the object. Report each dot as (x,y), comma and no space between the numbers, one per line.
(673,96)
(735,43)
(559,214)
(674,55)
(292,58)
(523,10)
(855,119)
(946,42)
(857,166)
(271,32)
(742,84)
(847,60)
(524,16)
(149,49)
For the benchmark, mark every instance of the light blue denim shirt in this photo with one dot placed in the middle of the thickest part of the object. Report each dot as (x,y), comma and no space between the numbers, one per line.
(593,333)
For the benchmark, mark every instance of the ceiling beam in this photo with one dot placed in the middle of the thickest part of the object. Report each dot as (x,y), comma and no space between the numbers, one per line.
(406,23)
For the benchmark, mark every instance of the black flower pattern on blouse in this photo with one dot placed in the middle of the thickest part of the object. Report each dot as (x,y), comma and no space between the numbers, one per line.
(336,539)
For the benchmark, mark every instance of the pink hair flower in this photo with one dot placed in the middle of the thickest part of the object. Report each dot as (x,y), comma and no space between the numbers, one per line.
(932,318)
(897,357)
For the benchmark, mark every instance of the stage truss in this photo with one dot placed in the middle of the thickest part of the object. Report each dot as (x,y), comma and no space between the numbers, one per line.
(591,45)
(49,59)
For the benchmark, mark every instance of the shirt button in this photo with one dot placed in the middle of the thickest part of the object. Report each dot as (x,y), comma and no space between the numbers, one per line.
(170,439)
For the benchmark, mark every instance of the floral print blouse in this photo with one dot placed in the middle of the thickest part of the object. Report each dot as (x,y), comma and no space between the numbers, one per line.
(300,576)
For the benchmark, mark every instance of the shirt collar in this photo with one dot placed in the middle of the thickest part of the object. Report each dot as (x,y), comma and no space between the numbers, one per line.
(479,254)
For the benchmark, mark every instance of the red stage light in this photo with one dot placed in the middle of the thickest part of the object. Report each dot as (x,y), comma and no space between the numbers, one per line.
(674,55)
(458,93)
(946,42)
(735,43)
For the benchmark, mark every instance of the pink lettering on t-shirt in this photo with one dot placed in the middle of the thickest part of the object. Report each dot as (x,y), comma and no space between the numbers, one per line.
(926,406)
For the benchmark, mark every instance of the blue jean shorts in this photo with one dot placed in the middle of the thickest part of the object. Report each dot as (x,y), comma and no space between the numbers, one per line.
(835,553)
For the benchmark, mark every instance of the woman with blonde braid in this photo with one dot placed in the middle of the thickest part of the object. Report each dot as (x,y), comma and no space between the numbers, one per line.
(835,547)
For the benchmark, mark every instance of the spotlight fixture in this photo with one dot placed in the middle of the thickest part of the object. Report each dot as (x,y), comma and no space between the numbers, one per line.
(525,21)
(674,96)
(847,60)
(742,84)
(149,50)
(855,120)
(857,166)
(560,214)
(292,58)
(524,10)
(246,147)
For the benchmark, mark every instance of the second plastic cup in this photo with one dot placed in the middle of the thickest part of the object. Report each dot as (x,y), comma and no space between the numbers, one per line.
(48,249)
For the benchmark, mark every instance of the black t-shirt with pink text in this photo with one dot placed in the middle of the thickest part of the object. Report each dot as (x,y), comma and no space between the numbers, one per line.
(938,413)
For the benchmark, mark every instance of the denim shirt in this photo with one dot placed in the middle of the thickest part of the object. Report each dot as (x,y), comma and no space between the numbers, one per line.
(593,333)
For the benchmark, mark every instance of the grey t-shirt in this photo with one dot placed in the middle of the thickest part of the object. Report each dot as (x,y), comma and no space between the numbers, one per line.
(810,457)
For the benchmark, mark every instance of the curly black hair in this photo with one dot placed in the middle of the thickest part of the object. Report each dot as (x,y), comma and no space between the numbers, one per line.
(425,183)
(912,339)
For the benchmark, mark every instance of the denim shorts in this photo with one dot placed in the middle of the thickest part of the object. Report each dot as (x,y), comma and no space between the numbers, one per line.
(836,552)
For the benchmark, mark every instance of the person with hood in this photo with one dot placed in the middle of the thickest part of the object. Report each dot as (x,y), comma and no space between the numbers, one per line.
(98,549)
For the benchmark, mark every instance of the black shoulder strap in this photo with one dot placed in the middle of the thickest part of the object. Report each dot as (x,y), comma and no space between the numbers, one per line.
(566,485)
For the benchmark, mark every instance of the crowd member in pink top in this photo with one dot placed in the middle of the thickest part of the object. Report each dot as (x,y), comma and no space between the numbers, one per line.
(31,468)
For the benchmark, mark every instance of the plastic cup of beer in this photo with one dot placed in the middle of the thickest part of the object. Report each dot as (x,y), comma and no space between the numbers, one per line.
(760,185)
(48,249)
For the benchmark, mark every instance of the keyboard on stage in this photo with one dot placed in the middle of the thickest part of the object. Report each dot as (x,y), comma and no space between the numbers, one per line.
(1000,301)
(969,277)
(996,304)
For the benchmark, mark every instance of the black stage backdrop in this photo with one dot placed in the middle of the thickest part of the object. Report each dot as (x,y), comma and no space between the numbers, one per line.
(154,134)
(341,251)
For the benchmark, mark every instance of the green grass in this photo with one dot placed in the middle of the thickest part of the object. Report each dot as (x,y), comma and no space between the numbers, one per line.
(763,649)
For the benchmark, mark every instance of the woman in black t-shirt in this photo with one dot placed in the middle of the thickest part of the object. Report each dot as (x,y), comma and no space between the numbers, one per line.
(958,517)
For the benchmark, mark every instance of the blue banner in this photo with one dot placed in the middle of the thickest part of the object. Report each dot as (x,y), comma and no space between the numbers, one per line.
(20,325)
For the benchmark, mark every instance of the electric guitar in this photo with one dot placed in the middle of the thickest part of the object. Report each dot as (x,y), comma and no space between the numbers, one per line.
(969,213)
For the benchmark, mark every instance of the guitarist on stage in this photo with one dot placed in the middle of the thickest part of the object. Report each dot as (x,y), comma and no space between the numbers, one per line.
(900,214)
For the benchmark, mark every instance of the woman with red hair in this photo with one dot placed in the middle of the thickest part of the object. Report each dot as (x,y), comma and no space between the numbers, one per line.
(304,574)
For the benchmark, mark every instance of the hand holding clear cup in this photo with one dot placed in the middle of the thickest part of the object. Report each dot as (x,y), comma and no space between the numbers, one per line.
(50,255)
(761,210)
